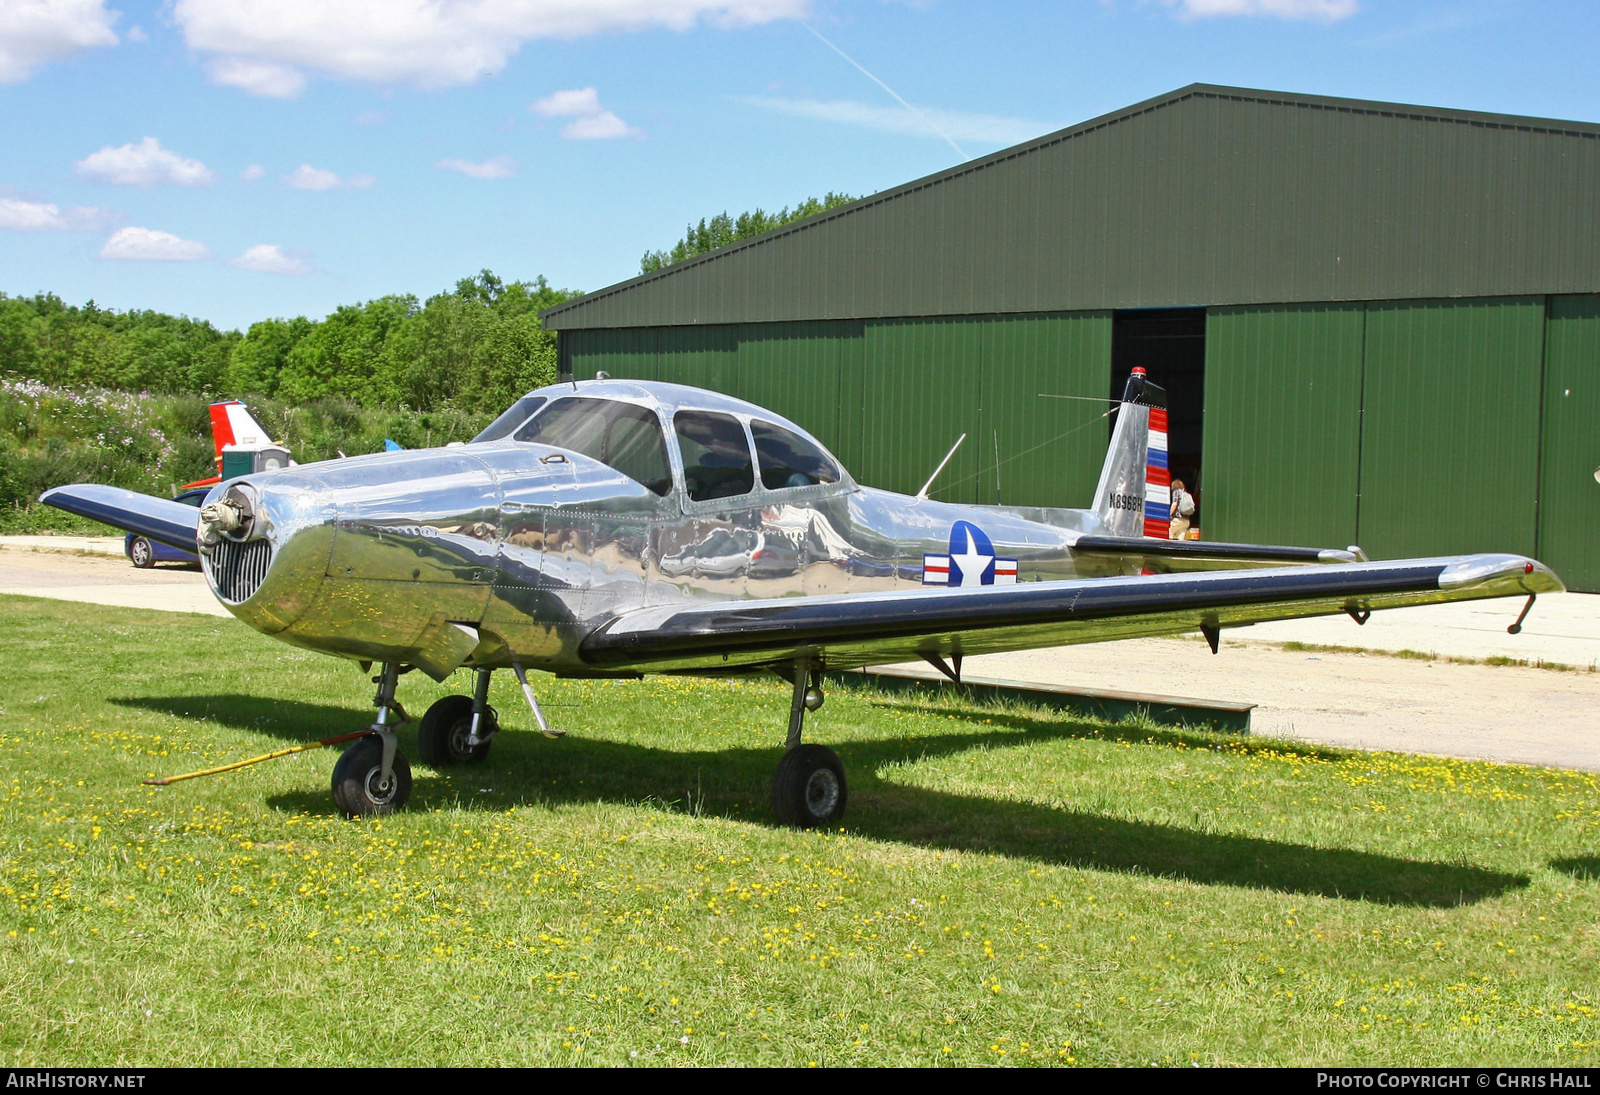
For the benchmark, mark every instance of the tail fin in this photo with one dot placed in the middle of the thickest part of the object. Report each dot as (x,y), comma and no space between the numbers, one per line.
(1134,495)
(231,424)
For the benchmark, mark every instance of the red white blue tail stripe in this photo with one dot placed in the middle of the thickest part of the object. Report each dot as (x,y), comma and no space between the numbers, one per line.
(1157,478)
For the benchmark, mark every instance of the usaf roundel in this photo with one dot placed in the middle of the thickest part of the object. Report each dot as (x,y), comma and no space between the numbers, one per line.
(971,561)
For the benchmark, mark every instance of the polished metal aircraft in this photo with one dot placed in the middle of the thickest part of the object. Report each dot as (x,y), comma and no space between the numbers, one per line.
(614,528)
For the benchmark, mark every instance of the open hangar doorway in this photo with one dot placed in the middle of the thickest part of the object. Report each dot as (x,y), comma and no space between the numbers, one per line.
(1170,345)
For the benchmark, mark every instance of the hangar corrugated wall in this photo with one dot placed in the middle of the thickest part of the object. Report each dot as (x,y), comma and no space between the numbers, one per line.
(1401,336)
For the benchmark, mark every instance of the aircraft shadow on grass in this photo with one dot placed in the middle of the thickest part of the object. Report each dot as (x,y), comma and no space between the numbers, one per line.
(524,769)
(1585,868)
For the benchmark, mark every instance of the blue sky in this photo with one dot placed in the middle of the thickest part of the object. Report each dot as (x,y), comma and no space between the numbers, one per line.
(240,159)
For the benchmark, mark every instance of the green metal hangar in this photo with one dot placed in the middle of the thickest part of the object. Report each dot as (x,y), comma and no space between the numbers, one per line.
(1377,324)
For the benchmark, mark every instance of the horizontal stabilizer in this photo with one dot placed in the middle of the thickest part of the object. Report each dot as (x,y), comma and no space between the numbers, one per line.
(173,523)
(1208,553)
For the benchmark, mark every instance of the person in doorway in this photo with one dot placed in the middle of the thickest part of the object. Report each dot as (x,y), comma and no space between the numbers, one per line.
(1182,512)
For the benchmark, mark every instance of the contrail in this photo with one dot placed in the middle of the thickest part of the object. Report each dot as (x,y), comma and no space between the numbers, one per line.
(887,88)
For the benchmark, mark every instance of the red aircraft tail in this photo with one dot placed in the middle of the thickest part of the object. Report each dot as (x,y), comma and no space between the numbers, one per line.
(231,424)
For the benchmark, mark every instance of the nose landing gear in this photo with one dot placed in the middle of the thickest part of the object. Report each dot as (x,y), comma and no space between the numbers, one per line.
(360,786)
(372,777)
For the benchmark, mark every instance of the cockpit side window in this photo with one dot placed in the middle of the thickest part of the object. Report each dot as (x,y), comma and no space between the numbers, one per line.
(789,460)
(620,435)
(716,456)
(514,416)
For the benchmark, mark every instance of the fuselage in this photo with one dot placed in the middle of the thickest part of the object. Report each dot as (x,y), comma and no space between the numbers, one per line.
(512,550)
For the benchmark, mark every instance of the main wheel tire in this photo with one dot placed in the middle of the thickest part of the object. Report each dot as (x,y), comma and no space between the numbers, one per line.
(442,737)
(142,554)
(809,789)
(358,787)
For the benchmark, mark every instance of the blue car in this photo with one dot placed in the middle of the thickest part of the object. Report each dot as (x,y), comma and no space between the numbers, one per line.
(146,553)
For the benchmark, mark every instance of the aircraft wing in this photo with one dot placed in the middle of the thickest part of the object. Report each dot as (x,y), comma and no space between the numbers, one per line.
(866,629)
(173,523)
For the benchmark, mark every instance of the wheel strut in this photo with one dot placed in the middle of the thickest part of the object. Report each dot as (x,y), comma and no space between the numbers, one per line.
(480,708)
(391,716)
(807,681)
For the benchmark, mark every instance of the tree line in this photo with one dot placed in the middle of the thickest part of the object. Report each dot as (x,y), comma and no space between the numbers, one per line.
(475,348)
(721,230)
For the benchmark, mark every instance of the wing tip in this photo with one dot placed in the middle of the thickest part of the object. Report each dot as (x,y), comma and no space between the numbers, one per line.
(1506,573)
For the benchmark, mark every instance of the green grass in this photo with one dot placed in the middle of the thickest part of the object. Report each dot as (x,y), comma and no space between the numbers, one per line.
(1012,886)
(1430,656)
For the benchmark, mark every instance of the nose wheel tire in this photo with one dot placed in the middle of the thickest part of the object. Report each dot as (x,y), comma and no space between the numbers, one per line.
(358,785)
(141,553)
(446,729)
(809,788)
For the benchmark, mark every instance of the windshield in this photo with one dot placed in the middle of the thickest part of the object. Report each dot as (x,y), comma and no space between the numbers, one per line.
(516,415)
(619,435)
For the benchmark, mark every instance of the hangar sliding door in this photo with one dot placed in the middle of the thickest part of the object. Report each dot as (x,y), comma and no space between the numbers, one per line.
(925,382)
(1283,424)
(1450,441)
(1569,498)
(922,388)
(704,357)
(1050,449)
(623,352)
(809,372)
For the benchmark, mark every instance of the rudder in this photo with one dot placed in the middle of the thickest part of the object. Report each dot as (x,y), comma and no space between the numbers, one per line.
(1133,497)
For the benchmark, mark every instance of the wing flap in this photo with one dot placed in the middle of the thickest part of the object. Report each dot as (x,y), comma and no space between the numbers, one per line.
(864,629)
(173,523)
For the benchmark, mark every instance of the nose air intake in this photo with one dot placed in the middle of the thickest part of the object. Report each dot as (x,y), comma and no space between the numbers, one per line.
(236,570)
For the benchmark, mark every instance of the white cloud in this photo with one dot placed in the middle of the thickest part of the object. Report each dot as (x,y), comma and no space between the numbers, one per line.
(34,32)
(306,177)
(984,128)
(590,121)
(1323,11)
(265,78)
(149,245)
(601,127)
(25,216)
(252,173)
(144,164)
(577,103)
(269,258)
(500,167)
(425,42)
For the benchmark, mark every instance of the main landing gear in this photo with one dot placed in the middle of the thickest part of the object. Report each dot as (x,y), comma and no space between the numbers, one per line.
(809,789)
(457,729)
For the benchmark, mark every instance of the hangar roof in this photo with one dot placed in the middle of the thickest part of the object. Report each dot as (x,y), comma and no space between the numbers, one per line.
(1204,196)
